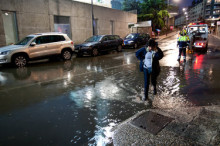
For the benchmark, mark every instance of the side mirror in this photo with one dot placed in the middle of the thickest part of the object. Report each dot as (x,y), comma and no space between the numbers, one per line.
(33,44)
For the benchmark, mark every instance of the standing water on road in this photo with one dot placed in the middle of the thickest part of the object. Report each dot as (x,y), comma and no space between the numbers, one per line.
(78,102)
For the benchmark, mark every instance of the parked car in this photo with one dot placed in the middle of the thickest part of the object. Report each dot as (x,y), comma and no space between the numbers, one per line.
(135,39)
(35,46)
(99,43)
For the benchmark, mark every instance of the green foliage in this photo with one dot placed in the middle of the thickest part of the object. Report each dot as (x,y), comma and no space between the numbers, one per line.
(147,6)
(154,10)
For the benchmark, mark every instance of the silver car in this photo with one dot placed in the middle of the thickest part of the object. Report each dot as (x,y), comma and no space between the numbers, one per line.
(37,46)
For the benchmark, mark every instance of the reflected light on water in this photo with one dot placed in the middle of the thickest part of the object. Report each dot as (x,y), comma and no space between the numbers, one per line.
(103,135)
(89,94)
(128,60)
(198,62)
(69,76)
(171,54)
(65,83)
(211,72)
(95,69)
(2,79)
(171,96)
(107,89)
(88,67)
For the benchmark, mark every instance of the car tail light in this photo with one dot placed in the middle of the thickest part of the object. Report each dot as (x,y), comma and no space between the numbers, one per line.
(72,43)
(200,44)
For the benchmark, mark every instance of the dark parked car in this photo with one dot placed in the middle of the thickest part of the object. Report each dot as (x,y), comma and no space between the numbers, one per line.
(135,39)
(96,44)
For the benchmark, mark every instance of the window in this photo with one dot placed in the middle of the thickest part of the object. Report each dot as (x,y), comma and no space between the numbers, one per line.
(42,40)
(117,37)
(62,24)
(56,38)
(105,38)
(24,41)
(111,37)
(10,27)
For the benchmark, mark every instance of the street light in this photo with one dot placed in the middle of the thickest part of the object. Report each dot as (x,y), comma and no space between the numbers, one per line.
(186,14)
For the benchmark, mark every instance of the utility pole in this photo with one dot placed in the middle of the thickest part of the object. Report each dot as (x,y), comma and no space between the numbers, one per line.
(93,27)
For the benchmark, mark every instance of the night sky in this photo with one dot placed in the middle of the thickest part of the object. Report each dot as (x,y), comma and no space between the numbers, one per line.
(184,3)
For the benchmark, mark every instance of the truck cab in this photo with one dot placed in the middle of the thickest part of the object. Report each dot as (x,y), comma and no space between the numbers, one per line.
(198,36)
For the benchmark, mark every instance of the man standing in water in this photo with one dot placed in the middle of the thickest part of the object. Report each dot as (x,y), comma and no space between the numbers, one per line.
(182,42)
(149,57)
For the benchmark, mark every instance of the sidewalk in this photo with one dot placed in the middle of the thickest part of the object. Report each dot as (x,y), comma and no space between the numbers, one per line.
(215,36)
(164,36)
(199,125)
(188,126)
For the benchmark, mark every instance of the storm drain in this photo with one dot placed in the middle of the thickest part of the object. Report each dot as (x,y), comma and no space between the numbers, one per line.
(151,122)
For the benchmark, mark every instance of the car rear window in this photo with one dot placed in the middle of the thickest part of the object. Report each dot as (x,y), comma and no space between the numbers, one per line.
(111,37)
(117,37)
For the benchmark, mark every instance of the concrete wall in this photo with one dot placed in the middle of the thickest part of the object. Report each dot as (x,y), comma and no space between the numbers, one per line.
(35,16)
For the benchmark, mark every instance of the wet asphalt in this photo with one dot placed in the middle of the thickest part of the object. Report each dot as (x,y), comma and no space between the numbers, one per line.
(77,102)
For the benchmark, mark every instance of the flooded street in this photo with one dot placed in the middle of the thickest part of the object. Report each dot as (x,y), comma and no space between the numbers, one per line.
(78,102)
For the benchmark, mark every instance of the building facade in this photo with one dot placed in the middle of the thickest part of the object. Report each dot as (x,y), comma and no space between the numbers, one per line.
(212,10)
(103,3)
(114,4)
(180,20)
(73,18)
(196,12)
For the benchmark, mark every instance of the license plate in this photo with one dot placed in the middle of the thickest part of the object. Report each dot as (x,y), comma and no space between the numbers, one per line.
(76,51)
(199,46)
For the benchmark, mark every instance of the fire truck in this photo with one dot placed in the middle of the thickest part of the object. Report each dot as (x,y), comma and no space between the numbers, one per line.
(198,35)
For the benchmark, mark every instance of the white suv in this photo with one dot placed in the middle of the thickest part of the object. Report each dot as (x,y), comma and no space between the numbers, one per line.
(37,46)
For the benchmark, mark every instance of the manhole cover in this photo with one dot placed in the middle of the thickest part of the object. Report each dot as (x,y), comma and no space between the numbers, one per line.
(151,122)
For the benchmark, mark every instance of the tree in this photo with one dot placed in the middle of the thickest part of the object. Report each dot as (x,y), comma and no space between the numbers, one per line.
(148,5)
(154,10)
(157,18)
(129,5)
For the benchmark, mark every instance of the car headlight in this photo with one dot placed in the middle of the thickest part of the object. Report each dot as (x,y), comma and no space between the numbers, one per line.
(4,53)
(130,42)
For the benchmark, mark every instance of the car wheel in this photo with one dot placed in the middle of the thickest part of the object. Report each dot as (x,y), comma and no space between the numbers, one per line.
(66,54)
(119,49)
(135,46)
(20,60)
(95,52)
